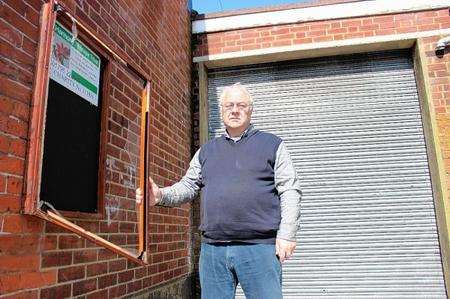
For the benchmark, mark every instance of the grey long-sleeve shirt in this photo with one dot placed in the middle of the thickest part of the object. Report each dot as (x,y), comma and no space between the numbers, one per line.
(286,183)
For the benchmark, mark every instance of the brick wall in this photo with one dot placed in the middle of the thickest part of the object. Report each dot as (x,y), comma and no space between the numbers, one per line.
(320,31)
(239,40)
(38,259)
(439,80)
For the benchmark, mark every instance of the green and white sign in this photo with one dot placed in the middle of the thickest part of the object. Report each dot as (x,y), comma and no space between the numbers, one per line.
(74,65)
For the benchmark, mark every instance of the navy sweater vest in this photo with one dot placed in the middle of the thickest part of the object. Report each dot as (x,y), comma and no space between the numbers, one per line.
(239,199)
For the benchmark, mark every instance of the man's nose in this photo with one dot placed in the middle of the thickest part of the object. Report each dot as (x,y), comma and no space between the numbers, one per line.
(235,109)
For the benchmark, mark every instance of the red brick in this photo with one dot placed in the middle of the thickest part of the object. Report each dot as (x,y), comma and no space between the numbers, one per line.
(385,31)
(14,126)
(29,46)
(33,294)
(106,254)
(26,280)
(406,30)
(10,203)
(50,242)
(368,27)
(322,39)
(384,19)
(231,49)
(284,36)
(53,259)
(162,267)
(60,291)
(132,265)
(11,165)
(98,295)
(118,239)
(320,26)
(117,291)
(14,185)
(281,43)
(14,263)
(83,287)
(404,16)
(387,25)
(134,286)
(244,42)
(107,280)
(85,256)
(117,265)
(278,31)
(71,273)
(300,28)
(316,33)
(19,244)
(249,35)
(53,228)
(2,183)
(157,278)
(337,30)
(17,147)
(19,22)
(10,34)
(232,37)
(15,90)
(126,276)
(354,35)
(140,273)
(22,224)
(127,227)
(302,40)
(351,23)
(367,21)
(429,27)
(4,144)
(96,269)
(69,242)
(16,55)
(91,226)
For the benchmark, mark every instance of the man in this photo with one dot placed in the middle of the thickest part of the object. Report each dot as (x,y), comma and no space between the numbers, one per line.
(249,207)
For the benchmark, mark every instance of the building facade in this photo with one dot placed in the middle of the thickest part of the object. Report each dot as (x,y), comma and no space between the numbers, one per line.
(360,96)
(134,40)
(355,88)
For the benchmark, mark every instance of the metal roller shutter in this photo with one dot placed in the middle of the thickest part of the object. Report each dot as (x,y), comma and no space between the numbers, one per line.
(353,127)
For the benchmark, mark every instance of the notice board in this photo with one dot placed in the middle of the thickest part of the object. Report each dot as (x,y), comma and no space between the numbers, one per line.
(71,149)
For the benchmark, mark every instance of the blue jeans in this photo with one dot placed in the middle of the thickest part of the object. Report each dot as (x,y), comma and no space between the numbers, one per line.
(254,266)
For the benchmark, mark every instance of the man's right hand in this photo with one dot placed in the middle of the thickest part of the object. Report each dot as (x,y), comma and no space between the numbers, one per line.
(154,193)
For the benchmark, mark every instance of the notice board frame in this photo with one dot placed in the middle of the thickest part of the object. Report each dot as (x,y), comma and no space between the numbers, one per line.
(50,12)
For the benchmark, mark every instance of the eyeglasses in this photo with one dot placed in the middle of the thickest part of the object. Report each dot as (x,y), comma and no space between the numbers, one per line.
(240,106)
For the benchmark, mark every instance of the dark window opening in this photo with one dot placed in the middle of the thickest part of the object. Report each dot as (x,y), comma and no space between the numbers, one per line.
(70,162)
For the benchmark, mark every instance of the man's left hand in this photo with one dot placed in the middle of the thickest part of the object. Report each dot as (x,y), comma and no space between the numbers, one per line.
(284,249)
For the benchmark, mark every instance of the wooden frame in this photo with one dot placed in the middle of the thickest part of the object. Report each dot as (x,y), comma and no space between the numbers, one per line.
(203,102)
(105,89)
(143,174)
(50,11)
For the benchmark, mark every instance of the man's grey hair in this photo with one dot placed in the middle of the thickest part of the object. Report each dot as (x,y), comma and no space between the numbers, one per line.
(235,87)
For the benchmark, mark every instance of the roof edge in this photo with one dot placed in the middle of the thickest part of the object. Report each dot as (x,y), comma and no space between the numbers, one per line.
(342,10)
(270,8)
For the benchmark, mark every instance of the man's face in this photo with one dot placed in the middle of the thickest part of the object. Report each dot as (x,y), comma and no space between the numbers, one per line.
(236,111)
